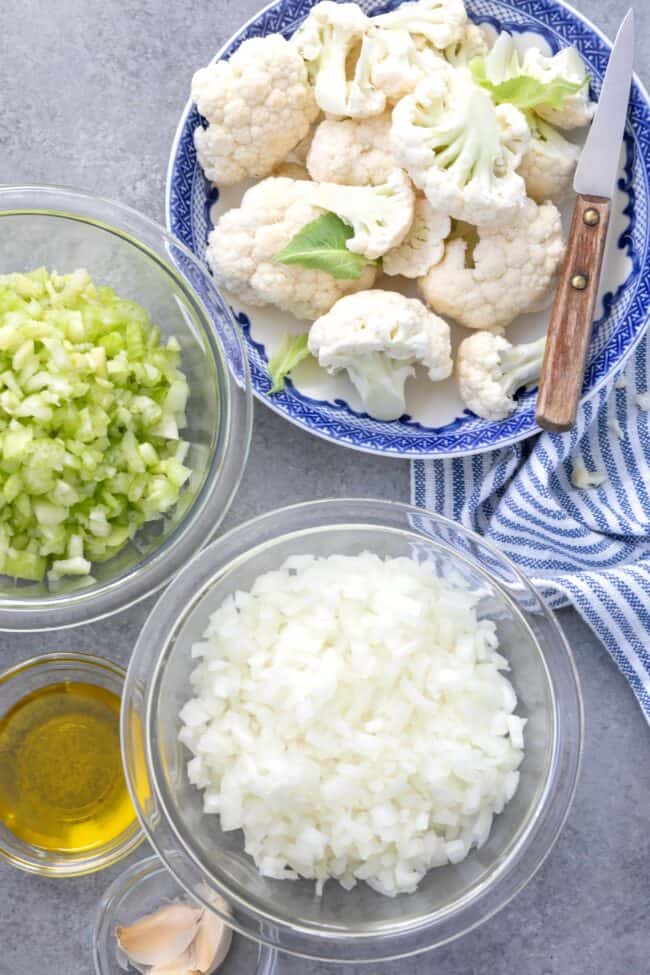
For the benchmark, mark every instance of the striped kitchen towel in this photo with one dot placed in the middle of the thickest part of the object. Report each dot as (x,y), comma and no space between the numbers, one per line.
(588,546)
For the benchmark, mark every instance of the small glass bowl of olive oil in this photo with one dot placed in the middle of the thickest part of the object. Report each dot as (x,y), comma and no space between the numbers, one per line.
(65,809)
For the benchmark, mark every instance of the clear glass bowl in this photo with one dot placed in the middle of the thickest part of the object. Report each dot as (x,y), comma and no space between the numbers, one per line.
(64,229)
(15,683)
(143,888)
(356,925)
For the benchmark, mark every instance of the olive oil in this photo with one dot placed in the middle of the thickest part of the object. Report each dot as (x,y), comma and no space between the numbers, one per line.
(62,787)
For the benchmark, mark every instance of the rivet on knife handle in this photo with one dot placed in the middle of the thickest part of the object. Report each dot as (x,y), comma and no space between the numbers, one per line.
(572,316)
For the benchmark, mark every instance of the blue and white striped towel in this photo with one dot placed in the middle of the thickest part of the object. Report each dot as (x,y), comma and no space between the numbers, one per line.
(588,547)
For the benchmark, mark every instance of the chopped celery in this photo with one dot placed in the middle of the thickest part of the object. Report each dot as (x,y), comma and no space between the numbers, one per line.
(91,403)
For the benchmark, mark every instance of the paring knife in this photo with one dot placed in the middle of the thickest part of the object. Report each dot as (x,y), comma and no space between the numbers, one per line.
(573,310)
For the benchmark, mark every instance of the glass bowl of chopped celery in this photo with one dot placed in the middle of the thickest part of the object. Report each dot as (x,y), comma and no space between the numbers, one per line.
(306,729)
(125,407)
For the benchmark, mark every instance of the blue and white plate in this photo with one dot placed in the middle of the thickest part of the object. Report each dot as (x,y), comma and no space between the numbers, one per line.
(437,425)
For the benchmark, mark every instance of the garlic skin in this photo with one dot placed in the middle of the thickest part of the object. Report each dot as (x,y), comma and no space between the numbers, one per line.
(178,939)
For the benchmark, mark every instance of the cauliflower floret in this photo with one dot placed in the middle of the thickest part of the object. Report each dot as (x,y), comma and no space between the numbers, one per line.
(404,45)
(377,337)
(461,150)
(424,244)
(567,109)
(439,22)
(352,152)
(259,105)
(380,216)
(401,58)
(398,61)
(490,370)
(330,37)
(508,272)
(549,165)
(242,247)
(584,479)
(471,44)
(576,109)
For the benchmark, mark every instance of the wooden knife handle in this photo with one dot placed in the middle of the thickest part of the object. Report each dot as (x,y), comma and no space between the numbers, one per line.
(569,331)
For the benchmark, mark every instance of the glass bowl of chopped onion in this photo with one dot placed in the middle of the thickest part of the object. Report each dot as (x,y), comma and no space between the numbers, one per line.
(125,407)
(358,723)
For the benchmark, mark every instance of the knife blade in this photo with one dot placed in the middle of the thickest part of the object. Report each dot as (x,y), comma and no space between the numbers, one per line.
(598,165)
(571,321)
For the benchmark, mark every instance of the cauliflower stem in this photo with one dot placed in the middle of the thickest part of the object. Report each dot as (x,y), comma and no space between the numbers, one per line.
(521,365)
(380,382)
(327,41)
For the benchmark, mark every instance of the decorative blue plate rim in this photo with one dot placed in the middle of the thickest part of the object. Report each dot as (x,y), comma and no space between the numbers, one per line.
(335,421)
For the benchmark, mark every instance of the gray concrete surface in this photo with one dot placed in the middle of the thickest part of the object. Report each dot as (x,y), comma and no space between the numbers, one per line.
(90,93)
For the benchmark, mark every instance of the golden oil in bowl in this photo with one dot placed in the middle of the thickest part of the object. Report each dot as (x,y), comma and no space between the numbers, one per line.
(62,787)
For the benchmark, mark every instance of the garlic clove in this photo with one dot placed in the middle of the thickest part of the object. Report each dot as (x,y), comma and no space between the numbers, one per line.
(161,937)
(212,942)
(185,964)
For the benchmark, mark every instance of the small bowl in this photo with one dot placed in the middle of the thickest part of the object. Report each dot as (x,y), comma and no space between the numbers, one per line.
(141,889)
(357,925)
(63,229)
(15,684)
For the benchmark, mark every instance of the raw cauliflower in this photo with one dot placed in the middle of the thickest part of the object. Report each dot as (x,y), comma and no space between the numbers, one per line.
(244,242)
(353,152)
(380,216)
(404,44)
(584,479)
(377,337)
(471,44)
(424,244)
(490,370)
(332,35)
(259,105)
(576,110)
(508,274)
(550,164)
(460,149)
(505,64)
(398,61)
(438,22)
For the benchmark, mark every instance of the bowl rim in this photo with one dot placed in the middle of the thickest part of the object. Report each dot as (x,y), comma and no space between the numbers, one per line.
(564,764)
(226,468)
(124,843)
(240,35)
